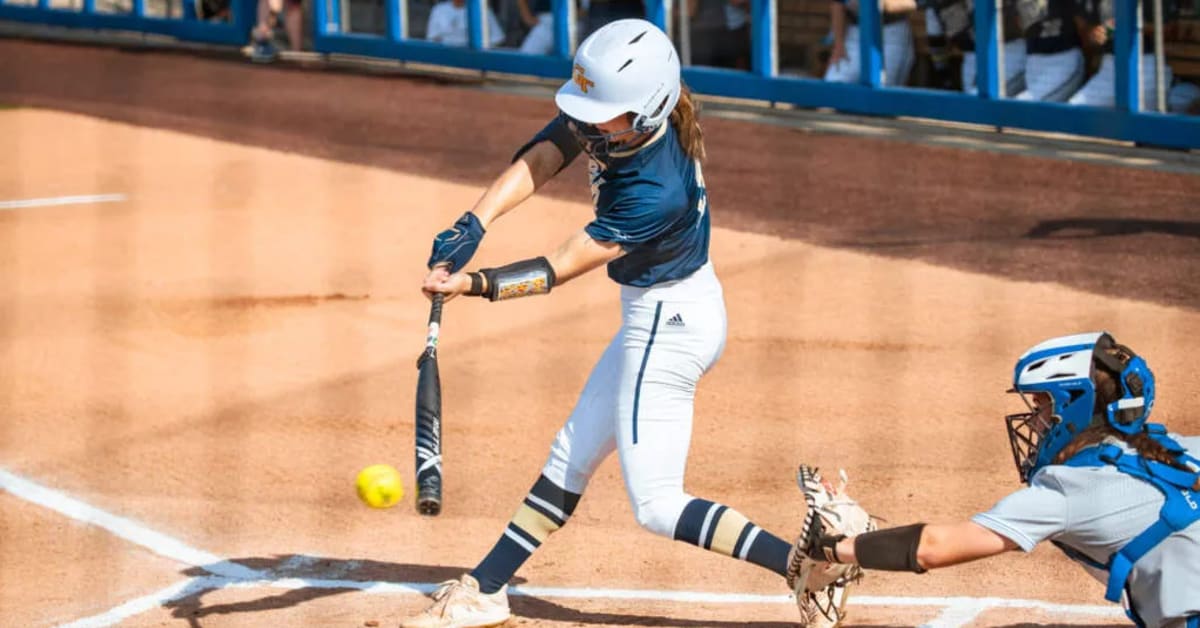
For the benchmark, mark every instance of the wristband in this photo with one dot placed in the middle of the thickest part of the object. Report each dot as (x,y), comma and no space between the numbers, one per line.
(519,279)
(894,549)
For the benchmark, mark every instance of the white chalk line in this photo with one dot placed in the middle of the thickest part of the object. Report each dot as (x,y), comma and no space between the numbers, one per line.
(137,606)
(83,199)
(127,529)
(957,610)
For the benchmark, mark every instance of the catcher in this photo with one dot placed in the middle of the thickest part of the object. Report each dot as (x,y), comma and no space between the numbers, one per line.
(1117,494)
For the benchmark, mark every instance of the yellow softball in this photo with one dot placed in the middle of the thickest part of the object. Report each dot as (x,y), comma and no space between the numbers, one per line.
(380,486)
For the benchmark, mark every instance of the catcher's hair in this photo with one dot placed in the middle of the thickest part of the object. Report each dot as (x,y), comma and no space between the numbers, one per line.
(1108,390)
(686,118)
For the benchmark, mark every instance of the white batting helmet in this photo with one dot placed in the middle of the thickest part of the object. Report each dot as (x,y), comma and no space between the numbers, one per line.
(627,66)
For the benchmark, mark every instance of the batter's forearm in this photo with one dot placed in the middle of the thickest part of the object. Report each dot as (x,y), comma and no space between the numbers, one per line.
(580,254)
(518,182)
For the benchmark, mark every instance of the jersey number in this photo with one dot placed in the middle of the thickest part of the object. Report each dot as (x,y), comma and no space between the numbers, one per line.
(701,194)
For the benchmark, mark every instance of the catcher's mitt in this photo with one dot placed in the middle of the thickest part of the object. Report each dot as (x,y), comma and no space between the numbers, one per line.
(830,512)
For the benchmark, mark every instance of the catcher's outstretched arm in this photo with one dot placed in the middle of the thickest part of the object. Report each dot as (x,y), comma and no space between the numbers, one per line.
(928,546)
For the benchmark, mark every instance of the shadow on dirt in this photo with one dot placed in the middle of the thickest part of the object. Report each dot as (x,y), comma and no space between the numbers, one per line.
(1079,228)
(316,578)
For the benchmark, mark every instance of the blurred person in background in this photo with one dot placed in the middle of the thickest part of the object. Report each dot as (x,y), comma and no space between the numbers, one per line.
(733,48)
(263,49)
(448,25)
(1054,64)
(601,12)
(1184,97)
(951,23)
(538,17)
(897,41)
(1096,22)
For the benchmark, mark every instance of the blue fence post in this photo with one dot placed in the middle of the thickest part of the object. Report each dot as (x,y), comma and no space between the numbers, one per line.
(89,6)
(475,13)
(1128,52)
(320,17)
(764,59)
(396,28)
(870,42)
(657,13)
(987,49)
(245,15)
(139,8)
(564,27)
(189,9)
(43,4)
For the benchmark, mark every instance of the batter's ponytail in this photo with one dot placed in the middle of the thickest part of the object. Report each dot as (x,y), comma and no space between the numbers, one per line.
(1108,391)
(686,119)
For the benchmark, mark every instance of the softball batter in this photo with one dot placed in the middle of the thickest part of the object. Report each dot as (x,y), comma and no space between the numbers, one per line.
(1115,493)
(626,109)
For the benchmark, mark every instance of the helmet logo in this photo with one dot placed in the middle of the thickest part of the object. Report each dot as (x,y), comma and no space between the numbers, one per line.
(582,81)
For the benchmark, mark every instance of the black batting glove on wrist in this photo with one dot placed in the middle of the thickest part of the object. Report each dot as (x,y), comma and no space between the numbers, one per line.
(456,245)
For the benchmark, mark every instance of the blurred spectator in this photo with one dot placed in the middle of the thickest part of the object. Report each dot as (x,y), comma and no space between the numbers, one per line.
(844,65)
(954,22)
(1054,66)
(733,48)
(1184,98)
(601,12)
(1095,19)
(539,19)
(213,10)
(448,25)
(263,48)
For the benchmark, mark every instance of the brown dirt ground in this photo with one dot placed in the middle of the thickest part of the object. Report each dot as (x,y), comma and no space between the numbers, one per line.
(218,355)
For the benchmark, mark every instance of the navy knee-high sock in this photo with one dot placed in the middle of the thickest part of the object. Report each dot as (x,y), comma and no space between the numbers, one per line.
(545,509)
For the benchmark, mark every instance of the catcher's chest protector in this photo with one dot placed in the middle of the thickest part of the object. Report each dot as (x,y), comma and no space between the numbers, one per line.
(1180,510)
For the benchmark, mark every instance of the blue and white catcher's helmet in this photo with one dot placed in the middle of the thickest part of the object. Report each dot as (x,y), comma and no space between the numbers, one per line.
(1064,368)
(627,66)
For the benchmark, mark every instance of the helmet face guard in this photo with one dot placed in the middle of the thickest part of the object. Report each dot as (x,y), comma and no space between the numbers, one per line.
(1026,433)
(597,143)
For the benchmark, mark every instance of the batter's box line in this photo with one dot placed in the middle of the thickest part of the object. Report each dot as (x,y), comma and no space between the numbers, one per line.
(225,573)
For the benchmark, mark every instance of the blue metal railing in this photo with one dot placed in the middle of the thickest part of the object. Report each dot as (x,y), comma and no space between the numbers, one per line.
(763,82)
(1127,121)
(187,28)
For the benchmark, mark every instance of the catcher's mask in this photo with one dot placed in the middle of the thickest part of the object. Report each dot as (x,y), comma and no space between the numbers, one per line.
(1056,380)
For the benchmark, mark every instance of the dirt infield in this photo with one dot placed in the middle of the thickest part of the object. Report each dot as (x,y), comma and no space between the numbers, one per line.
(206,358)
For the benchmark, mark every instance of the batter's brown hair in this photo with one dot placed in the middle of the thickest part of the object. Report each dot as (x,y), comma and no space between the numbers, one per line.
(1108,390)
(686,118)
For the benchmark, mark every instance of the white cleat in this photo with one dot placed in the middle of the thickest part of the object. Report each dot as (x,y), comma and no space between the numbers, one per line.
(460,604)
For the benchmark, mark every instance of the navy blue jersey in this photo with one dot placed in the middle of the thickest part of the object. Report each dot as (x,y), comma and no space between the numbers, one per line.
(1101,13)
(653,203)
(957,18)
(650,200)
(1049,26)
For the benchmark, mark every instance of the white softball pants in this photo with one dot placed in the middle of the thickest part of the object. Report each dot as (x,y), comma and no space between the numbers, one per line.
(1014,69)
(1053,77)
(540,40)
(1100,90)
(638,399)
(897,56)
